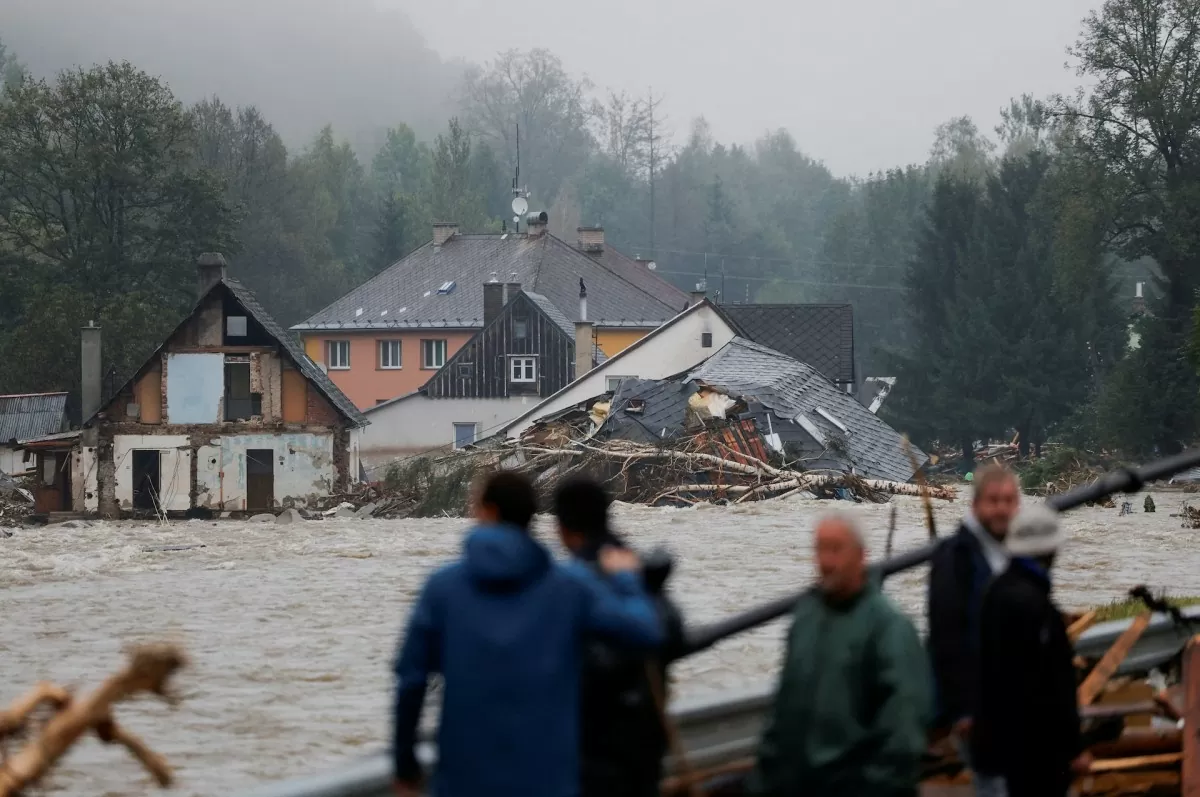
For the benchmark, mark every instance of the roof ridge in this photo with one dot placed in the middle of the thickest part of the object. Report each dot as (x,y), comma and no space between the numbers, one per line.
(383,272)
(621,277)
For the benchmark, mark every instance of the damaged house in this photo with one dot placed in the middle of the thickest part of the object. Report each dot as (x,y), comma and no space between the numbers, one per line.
(767,401)
(227,414)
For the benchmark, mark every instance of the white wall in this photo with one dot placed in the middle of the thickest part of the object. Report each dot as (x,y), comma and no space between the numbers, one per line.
(12,461)
(85,479)
(302,469)
(175,464)
(669,350)
(417,423)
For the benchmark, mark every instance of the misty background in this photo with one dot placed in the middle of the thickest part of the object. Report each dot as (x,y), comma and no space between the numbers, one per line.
(860,86)
(985,184)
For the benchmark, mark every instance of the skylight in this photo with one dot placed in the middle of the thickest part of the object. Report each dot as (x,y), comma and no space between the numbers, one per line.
(447,287)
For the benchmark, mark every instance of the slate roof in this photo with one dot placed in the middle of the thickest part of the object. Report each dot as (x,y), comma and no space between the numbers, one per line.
(311,370)
(793,390)
(28,415)
(821,335)
(662,417)
(405,295)
(553,313)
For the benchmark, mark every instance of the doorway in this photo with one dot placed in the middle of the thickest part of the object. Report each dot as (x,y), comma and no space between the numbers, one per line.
(147,479)
(260,478)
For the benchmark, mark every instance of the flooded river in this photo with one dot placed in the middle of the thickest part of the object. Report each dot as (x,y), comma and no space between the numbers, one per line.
(291,629)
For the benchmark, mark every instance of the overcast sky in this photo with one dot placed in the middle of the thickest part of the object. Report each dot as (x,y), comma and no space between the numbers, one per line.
(861,84)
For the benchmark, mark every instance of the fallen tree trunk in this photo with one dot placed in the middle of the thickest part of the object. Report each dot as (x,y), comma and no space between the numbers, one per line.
(14,718)
(148,671)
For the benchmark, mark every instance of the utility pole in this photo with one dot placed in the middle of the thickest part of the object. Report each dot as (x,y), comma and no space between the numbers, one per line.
(653,250)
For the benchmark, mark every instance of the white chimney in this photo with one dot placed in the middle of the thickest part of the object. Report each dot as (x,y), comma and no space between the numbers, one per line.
(92,373)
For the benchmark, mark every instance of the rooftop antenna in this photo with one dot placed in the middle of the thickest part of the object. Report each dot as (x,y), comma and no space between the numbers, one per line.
(520,203)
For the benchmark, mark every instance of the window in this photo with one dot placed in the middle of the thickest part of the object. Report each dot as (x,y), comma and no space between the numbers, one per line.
(433,353)
(523,369)
(520,327)
(235,326)
(337,354)
(706,340)
(464,434)
(613,382)
(240,403)
(389,354)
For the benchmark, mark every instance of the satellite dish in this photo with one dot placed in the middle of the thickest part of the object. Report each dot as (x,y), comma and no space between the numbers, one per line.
(652,265)
(520,205)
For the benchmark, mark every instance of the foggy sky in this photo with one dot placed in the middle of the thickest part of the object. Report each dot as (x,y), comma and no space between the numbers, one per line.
(860,85)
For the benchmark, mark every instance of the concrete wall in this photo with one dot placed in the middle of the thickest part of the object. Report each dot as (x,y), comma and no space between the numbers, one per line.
(12,461)
(303,468)
(418,424)
(195,387)
(668,351)
(175,463)
(85,490)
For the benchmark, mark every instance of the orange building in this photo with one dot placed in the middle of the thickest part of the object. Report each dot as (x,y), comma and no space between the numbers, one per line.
(388,336)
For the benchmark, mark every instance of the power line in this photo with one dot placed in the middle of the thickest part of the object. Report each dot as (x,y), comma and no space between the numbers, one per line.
(788,261)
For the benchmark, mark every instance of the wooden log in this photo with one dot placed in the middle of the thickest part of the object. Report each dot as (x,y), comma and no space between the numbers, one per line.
(1191,719)
(1140,741)
(1082,624)
(111,733)
(1093,685)
(1148,781)
(148,670)
(14,718)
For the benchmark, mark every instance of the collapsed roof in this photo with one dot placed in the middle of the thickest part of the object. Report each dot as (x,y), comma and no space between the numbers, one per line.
(795,407)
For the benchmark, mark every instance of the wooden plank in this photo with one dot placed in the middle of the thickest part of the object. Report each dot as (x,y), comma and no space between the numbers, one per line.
(1077,628)
(1191,720)
(1149,781)
(1140,741)
(1093,685)
(1136,762)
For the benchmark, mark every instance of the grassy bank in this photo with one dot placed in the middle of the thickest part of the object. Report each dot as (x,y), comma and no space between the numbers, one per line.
(1124,609)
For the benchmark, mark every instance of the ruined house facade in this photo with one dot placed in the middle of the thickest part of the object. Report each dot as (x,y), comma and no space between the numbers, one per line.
(227,415)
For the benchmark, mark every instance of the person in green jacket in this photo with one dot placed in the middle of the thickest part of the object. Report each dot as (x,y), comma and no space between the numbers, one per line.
(855,693)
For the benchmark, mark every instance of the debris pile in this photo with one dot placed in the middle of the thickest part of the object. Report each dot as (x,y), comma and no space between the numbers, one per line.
(1132,725)
(16,501)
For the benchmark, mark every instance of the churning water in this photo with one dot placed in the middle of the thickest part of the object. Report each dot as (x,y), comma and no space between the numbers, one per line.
(291,628)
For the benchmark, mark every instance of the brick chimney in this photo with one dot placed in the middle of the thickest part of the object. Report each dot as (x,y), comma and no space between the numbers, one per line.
(443,231)
(493,299)
(584,339)
(699,294)
(511,287)
(591,239)
(535,222)
(210,269)
(92,372)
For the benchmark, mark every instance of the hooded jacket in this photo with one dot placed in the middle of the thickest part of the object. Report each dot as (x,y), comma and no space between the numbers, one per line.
(623,739)
(506,627)
(853,703)
(1026,670)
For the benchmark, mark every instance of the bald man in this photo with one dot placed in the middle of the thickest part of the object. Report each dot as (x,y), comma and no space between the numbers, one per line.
(854,696)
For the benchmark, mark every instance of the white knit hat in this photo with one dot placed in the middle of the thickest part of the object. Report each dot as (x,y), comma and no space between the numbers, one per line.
(1035,531)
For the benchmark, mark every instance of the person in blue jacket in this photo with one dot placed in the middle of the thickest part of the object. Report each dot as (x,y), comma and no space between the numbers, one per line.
(506,628)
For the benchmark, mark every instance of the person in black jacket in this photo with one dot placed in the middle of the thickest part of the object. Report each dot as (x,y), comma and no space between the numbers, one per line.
(961,568)
(623,740)
(1026,726)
